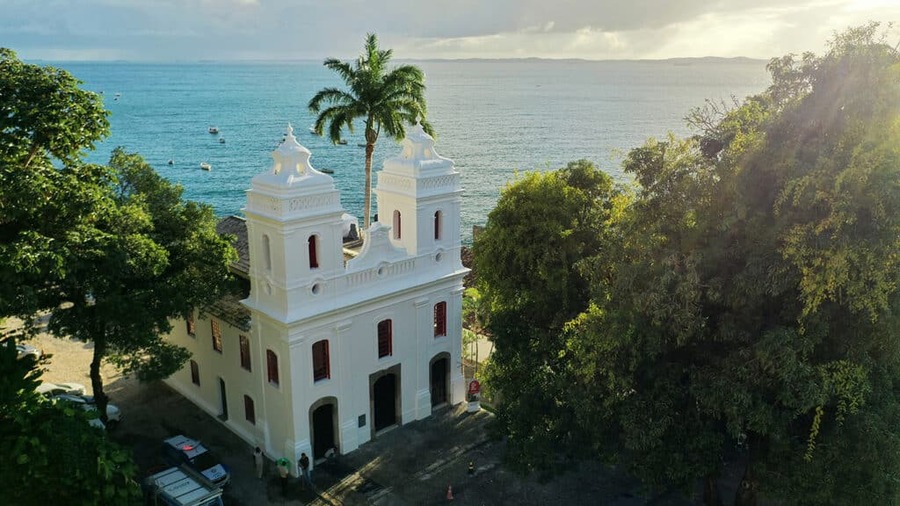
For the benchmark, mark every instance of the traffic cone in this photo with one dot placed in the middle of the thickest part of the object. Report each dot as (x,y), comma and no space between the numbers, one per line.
(449,492)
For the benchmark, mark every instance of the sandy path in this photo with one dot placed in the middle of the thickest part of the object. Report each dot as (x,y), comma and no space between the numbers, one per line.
(71,360)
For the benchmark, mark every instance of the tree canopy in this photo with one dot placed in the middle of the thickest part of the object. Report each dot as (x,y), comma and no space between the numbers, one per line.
(385,98)
(51,454)
(744,305)
(112,252)
(154,258)
(48,198)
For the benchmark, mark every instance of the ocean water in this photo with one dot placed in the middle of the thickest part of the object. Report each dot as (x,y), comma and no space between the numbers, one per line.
(493,118)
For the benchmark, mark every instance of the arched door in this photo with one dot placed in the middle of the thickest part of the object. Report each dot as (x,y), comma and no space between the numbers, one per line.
(439,372)
(323,430)
(385,399)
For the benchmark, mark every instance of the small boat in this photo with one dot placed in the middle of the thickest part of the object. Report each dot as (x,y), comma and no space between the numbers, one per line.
(361,145)
(221,140)
(205,166)
(342,142)
(326,171)
(312,129)
(213,130)
(171,162)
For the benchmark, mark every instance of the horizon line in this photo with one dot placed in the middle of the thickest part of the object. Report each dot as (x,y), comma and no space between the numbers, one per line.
(466,59)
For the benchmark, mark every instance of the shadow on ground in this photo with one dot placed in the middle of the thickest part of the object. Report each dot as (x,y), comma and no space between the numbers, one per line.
(409,465)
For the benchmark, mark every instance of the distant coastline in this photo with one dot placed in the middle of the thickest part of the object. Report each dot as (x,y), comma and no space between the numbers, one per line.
(676,61)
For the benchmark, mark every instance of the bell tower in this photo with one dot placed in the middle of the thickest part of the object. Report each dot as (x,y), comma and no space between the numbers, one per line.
(294,230)
(419,197)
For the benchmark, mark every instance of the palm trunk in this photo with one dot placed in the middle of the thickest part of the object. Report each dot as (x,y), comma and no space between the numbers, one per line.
(96,381)
(370,149)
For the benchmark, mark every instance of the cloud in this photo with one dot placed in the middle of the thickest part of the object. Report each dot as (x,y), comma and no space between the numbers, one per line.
(275,29)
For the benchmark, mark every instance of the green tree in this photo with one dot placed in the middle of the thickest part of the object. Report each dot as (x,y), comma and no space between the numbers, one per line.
(156,258)
(51,454)
(531,279)
(47,196)
(746,308)
(756,313)
(385,98)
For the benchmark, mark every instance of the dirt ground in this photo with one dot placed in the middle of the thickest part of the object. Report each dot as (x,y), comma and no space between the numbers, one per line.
(414,464)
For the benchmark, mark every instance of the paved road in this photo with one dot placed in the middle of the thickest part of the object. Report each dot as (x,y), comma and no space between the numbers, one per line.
(410,465)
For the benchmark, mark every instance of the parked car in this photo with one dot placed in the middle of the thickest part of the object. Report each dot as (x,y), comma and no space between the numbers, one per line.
(86,402)
(180,486)
(26,350)
(184,450)
(48,389)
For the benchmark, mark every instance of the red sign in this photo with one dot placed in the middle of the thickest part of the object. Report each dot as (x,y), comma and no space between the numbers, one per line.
(474,387)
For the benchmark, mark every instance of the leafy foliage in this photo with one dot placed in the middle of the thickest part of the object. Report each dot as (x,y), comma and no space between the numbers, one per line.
(533,283)
(384,97)
(154,258)
(51,454)
(742,307)
(48,199)
(113,252)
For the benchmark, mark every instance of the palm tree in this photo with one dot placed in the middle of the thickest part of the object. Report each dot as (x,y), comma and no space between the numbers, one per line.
(384,98)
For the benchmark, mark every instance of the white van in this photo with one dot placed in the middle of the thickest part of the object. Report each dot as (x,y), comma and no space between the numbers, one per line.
(180,486)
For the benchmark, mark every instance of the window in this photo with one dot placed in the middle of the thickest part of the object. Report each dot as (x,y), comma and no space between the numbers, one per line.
(272,366)
(267,252)
(191,326)
(245,352)
(321,368)
(313,255)
(440,319)
(216,336)
(396,224)
(385,336)
(437,225)
(249,412)
(195,373)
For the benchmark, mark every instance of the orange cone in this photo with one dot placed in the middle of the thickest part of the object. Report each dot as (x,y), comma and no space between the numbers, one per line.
(449,492)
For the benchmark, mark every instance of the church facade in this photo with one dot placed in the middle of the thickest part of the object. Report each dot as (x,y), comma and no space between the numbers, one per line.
(335,342)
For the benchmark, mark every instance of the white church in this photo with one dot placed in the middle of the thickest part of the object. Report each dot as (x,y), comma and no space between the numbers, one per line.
(336,341)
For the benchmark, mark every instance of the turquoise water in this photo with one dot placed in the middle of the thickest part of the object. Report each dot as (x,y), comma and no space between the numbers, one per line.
(492,118)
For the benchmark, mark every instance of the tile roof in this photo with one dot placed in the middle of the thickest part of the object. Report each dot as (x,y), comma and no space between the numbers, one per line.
(237,226)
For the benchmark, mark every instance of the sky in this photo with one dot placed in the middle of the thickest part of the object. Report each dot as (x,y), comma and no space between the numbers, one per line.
(186,30)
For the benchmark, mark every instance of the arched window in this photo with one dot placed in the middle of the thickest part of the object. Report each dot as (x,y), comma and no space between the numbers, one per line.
(396,224)
(195,373)
(440,319)
(313,252)
(245,352)
(321,365)
(385,338)
(267,252)
(249,410)
(437,225)
(272,366)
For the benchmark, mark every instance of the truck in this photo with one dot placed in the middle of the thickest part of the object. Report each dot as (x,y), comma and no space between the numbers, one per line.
(180,486)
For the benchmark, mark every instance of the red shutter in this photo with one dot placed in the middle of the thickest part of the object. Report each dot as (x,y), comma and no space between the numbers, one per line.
(249,412)
(313,257)
(321,367)
(440,319)
(272,363)
(385,338)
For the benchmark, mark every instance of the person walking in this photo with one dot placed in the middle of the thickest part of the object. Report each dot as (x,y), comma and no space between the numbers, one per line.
(283,465)
(258,461)
(303,464)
